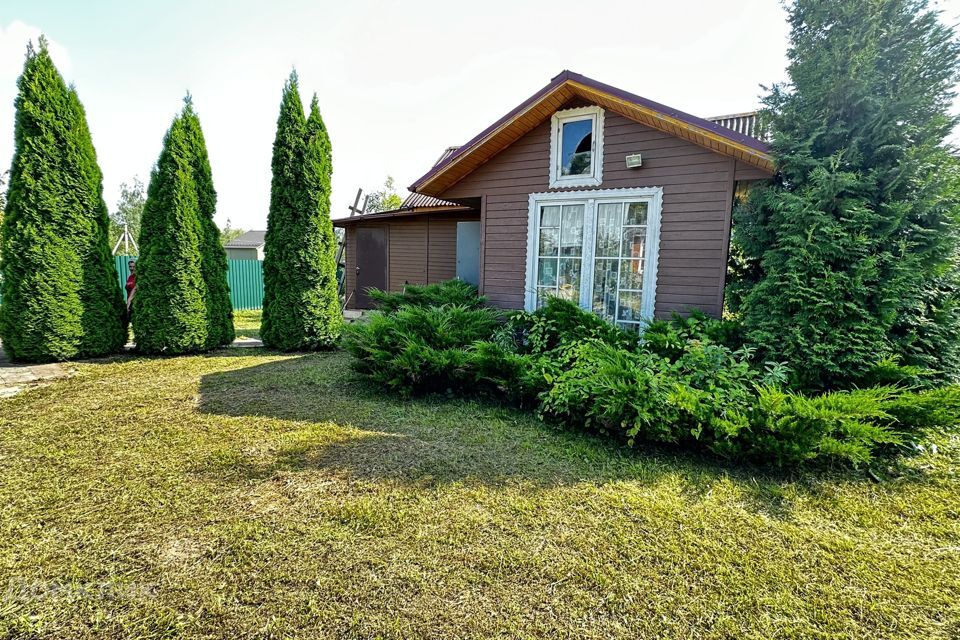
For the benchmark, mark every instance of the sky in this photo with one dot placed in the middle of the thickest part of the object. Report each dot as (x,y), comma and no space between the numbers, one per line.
(397,82)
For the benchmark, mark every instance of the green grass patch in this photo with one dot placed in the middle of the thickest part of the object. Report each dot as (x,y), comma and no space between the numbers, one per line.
(249,494)
(247,323)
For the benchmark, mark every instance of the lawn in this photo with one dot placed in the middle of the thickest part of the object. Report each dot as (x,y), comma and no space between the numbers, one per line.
(247,323)
(250,494)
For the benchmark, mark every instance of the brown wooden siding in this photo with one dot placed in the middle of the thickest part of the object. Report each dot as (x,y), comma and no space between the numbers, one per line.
(350,266)
(697,194)
(443,250)
(407,262)
(421,250)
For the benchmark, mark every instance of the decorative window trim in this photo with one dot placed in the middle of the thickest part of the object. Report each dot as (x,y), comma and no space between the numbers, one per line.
(593,197)
(595,179)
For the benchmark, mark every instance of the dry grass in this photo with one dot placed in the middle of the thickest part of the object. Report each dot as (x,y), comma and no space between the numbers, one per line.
(247,494)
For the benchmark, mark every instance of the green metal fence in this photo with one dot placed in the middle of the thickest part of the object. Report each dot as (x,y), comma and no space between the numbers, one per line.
(245,278)
(246,283)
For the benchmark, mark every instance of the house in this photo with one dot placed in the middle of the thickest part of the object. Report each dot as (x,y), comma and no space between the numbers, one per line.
(583,191)
(248,246)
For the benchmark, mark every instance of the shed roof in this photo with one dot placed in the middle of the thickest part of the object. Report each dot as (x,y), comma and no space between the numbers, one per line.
(246,240)
(566,86)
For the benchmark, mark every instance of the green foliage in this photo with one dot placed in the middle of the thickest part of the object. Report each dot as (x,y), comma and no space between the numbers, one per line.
(455,292)
(850,252)
(213,257)
(560,322)
(669,338)
(419,349)
(849,426)
(682,384)
(385,199)
(704,398)
(60,294)
(228,233)
(169,308)
(301,307)
(129,212)
(935,409)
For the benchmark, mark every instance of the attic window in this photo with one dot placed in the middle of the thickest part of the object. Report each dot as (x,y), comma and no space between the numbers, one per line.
(576,148)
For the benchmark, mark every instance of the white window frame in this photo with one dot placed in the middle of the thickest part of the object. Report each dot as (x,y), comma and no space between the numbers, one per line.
(653,196)
(595,177)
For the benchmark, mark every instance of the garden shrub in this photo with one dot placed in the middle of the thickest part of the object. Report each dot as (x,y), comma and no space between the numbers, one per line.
(301,307)
(454,292)
(705,396)
(59,281)
(915,413)
(669,338)
(790,428)
(420,349)
(213,256)
(169,308)
(561,322)
(682,384)
(519,378)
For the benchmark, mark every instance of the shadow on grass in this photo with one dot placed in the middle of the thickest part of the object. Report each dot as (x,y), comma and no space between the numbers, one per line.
(436,440)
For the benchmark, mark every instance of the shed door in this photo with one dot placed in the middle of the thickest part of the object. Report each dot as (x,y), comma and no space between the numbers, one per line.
(468,252)
(371,263)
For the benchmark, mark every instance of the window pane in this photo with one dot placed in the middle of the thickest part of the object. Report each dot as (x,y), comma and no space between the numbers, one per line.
(634,239)
(571,230)
(549,241)
(570,279)
(608,229)
(631,274)
(576,145)
(605,288)
(632,327)
(547,272)
(550,216)
(629,307)
(636,213)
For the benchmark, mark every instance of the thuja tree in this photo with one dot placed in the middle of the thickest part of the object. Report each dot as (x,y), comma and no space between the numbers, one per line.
(213,257)
(850,253)
(300,305)
(60,292)
(169,308)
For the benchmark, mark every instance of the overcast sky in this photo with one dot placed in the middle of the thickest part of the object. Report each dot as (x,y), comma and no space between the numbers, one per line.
(397,82)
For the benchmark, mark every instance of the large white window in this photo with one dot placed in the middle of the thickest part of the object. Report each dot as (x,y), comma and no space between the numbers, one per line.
(597,248)
(576,148)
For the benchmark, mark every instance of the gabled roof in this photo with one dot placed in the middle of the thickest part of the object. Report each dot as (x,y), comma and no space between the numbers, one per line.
(246,240)
(566,86)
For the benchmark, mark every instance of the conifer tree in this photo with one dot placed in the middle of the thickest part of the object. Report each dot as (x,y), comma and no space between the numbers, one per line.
(169,308)
(61,297)
(300,305)
(851,252)
(219,310)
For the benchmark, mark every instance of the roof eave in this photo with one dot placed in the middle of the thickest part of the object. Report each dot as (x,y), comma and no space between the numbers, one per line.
(750,150)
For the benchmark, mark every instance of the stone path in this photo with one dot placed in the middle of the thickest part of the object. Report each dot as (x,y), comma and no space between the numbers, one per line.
(15,378)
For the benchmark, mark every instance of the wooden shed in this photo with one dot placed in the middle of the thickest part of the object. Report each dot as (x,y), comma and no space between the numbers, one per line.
(583,191)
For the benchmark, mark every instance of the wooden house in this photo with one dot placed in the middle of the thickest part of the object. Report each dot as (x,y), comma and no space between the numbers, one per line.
(583,191)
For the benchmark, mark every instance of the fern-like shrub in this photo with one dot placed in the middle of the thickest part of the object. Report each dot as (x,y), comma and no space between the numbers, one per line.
(420,349)
(455,292)
(685,382)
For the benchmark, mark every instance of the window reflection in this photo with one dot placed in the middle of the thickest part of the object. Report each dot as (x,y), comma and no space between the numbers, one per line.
(576,148)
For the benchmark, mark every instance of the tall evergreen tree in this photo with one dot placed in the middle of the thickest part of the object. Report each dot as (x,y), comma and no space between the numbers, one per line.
(213,256)
(169,308)
(300,306)
(60,289)
(851,253)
